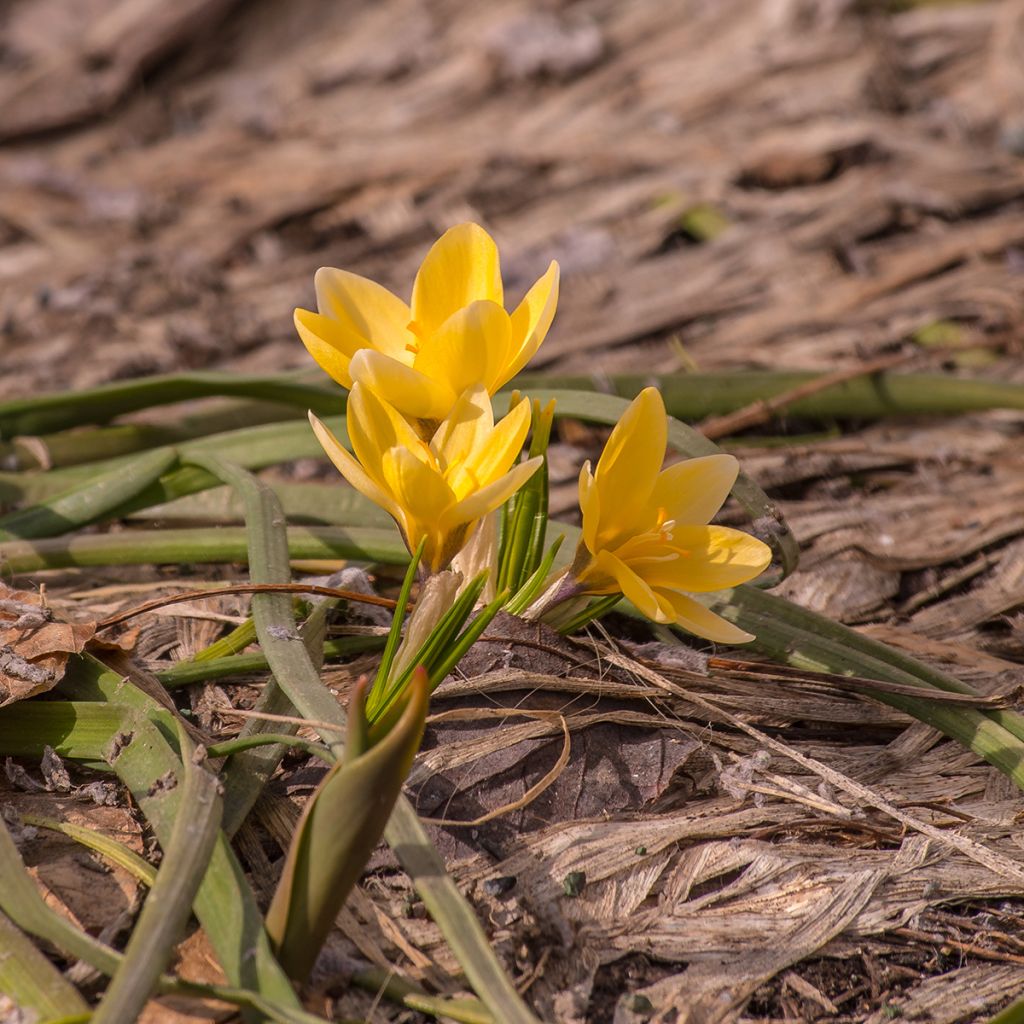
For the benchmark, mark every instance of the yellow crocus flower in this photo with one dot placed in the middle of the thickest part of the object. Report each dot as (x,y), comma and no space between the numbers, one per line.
(646,532)
(437,489)
(456,332)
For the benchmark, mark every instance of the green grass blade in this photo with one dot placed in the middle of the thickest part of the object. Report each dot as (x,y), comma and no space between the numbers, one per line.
(248,771)
(110,849)
(875,396)
(784,616)
(439,668)
(530,590)
(251,447)
(796,637)
(31,982)
(58,411)
(229,544)
(378,712)
(169,903)
(327,504)
(185,673)
(240,743)
(399,990)
(525,514)
(272,612)
(22,902)
(397,622)
(80,730)
(594,610)
(692,396)
(25,906)
(151,768)
(90,502)
(231,643)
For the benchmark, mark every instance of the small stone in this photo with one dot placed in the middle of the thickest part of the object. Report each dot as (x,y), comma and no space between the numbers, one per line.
(574,883)
(499,886)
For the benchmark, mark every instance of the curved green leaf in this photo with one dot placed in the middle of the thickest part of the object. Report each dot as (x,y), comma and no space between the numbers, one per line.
(339,829)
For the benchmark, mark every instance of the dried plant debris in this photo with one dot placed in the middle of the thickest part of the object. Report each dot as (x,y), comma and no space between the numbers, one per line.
(742,843)
(860,167)
(34,645)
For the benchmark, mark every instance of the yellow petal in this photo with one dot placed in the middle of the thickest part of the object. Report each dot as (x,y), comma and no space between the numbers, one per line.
(691,492)
(494,453)
(706,558)
(374,427)
(532,320)
(695,618)
(418,489)
(461,267)
(330,343)
(465,429)
(630,463)
(366,309)
(351,470)
(408,390)
(647,601)
(590,506)
(470,347)
(476,505)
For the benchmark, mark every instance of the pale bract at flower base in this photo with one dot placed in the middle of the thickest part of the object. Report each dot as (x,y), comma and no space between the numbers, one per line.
(455,333)
(438,489)
(646,532)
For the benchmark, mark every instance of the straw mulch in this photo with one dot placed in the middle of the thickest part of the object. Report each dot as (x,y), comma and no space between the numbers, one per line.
(790,184)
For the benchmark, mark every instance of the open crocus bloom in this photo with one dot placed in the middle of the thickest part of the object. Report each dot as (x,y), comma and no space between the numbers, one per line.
(456,332)
(646,532)
(438,489)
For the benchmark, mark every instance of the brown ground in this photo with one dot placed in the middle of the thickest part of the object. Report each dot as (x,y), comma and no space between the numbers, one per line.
(799,184)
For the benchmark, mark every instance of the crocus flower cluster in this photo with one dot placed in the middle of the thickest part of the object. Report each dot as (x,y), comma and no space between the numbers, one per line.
(427,449)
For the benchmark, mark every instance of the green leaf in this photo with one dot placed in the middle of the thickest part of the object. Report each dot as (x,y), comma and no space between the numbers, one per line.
(792,635)
(89,502)
(185,673)
(434,647)
(144,756)
(113,851)
(169,904)
(530,590)
(77,729)
(339,829)
(228,544)
(31,981)
(524,520)
(60,410)
(387,659)
(694,396)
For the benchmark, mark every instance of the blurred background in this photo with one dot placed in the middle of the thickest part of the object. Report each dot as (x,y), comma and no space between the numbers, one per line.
(780,183)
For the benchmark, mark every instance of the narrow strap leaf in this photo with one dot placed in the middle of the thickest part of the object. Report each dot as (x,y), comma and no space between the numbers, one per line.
(31,981)
(169,903)
(89,502)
